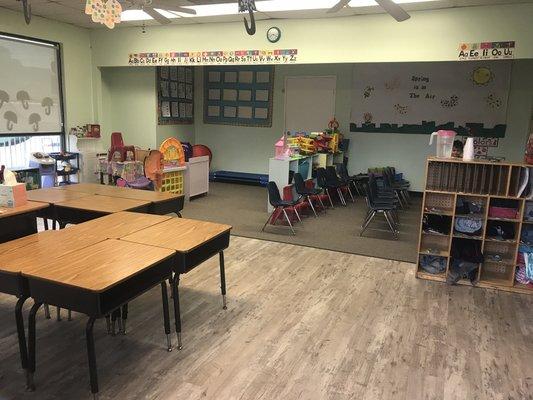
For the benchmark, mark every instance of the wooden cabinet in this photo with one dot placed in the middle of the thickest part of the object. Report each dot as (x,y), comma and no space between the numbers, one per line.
(450,183)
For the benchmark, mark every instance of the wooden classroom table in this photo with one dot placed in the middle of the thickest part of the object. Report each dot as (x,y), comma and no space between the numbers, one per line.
(28,251)
(195,242)
(89,207)
(52,197)
(118,225)
(96,280)
(20,221)
(160,203)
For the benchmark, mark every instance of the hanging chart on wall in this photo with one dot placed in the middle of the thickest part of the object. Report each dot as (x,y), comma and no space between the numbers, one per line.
(175,95)
(425,97)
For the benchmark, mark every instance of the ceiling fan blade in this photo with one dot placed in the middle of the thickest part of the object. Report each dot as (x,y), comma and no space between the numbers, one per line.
(168,6)
(339,6)
(396,12)
(156,15)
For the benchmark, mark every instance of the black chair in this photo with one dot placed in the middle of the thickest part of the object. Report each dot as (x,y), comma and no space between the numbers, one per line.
(380,204)
(331,174)
(307,193)
(356,180)
(328,186)
(400,188)
(275,201)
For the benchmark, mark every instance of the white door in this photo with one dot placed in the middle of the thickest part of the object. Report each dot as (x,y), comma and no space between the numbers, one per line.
(309,102)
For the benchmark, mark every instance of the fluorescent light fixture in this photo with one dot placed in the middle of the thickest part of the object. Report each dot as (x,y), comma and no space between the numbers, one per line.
(211,10)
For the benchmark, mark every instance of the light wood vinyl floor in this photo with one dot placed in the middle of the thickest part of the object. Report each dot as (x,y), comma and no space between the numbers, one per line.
(301,323)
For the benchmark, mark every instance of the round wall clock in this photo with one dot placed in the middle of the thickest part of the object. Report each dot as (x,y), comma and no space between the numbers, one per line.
(273,34)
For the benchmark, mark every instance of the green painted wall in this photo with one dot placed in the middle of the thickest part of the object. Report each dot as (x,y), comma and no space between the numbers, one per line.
(130,106)
(408,152)
(433,35)
(124,99)
(77,60)
(248,149)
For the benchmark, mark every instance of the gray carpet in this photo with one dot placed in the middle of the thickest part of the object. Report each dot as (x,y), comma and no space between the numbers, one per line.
(244,207)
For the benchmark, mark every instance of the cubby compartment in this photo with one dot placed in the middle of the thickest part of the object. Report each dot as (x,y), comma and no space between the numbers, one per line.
(471,206)
(521,281)
(501,209)
(499,180)
(468,227)
(514,182)
(502,231)
(497,273)
(433,175)
(439,203)
(436,224)
(434,245)
(502,252)
(432,265)
(528,212)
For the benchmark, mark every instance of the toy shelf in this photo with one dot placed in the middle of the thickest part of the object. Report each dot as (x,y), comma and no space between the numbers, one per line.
(281,170)
(489,185)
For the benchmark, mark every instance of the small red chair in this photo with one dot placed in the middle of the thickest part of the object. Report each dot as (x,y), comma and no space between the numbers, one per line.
(117,146)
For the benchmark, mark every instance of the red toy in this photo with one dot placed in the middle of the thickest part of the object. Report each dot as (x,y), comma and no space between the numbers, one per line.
(117,146)
(199,150)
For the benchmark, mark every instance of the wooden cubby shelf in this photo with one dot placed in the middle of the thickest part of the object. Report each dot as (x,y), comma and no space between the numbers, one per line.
(489,185)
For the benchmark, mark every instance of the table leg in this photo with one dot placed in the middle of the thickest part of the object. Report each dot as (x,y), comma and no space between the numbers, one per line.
(45,221)
(177,314)
(93,373)
(21,333)
(46,311)
(223,279)
(124,317)
(58,312)
(30,385)
(69,313)
(108,323)
(114,315)
(166,317)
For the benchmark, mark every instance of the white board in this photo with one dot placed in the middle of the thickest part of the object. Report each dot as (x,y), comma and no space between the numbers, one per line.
(418,97)
(29,88)
(309,102)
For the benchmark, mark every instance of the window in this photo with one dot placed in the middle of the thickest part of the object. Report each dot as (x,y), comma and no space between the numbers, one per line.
(31,102)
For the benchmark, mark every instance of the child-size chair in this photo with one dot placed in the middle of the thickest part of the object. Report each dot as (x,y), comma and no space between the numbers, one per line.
(153,168)
(153,174)
(117,146)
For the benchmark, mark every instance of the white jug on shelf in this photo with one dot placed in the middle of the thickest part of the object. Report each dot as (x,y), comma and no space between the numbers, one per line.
(468,150)
(444,142)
